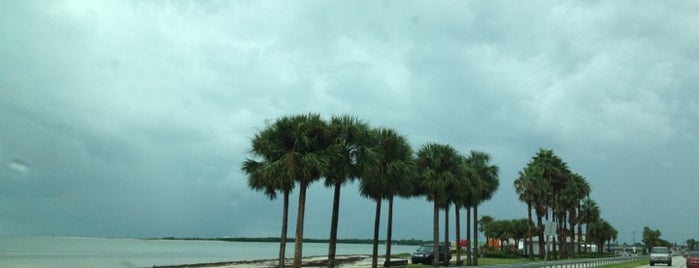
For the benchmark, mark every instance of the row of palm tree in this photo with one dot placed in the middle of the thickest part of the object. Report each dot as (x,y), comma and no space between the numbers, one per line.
(504,230)
(600,231)
(554,193)
(450,178)
(300,149)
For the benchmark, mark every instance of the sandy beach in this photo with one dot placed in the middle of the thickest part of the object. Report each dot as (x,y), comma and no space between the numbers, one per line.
(316,261)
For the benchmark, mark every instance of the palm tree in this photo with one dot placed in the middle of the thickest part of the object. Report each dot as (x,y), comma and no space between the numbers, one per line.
(601,231)
(589,213)
(397,168)
(521,230)
(390,174)
(484,224)
(538,192)
(578,189)
(485,175)
(463,198)
(554,171)
(469,200)
(525,186)
(266,175)
(612,236)
(349,140)
(437,165)
(456,190)
(297,149)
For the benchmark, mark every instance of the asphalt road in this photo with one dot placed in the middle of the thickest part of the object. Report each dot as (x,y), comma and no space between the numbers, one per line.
(677,261)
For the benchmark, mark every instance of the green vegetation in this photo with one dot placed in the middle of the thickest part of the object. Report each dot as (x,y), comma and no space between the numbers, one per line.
(692,244)
(301,149)
(546,184)
(297,150)
(499,261)
(651,238)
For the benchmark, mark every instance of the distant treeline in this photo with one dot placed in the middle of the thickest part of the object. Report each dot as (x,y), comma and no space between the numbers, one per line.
(291,239)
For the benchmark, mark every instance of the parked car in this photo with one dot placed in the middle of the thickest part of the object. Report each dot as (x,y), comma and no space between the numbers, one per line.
(425,254)
(692,259)
(660,255)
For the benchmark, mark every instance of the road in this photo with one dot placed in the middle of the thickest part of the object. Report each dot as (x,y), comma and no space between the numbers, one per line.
(677,261)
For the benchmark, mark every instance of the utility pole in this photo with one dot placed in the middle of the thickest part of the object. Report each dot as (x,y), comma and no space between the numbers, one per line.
(634,242)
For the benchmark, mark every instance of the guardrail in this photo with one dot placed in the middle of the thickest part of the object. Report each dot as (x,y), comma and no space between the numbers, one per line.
(577,263)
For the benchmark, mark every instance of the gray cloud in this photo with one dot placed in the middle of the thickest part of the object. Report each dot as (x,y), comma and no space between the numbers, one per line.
(132,118)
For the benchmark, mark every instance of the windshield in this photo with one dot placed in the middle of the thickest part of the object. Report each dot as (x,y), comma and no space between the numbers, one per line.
(425,249)
(694,254)
(660,250)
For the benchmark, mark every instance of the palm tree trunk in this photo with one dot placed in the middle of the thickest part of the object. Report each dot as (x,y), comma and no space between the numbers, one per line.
(540,233)
(285,221)
(390,230)
(571,224)
(298,246)
(529,229)
(587,236)
(475,235)
(561,236)
(377,221)
(435,231)
(458,234)
(446,232)
(332,244)
(580,240)
(468,237)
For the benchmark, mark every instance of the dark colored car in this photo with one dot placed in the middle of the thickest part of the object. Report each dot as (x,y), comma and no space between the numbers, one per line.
(692,259)
(425,254)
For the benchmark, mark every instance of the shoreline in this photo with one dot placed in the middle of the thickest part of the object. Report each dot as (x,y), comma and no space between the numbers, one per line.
(359,260)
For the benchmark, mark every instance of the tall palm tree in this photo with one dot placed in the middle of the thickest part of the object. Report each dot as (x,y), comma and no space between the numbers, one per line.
(297,146)
(525,186)
(437,165)
(589,213)
(538,193)
(577,190)
(601,231)
(456,190)
(389,175)
(463,198)
(612,236)
(485,175)
(542,204)
(397,168)
(555,172)
(268,176)
(349,139)
(469,200)
(373,188)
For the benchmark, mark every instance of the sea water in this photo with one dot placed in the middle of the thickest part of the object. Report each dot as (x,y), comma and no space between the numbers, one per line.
(23,252)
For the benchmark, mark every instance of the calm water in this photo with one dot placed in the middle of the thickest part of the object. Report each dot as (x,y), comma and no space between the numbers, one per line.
(99,252)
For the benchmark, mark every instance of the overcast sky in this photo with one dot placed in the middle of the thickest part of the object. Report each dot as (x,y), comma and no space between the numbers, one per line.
(132,118)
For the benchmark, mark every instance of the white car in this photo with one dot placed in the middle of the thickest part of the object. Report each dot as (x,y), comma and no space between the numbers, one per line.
(660,255)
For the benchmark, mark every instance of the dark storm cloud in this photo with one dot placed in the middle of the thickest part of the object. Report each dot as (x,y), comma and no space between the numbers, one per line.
(132,118)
